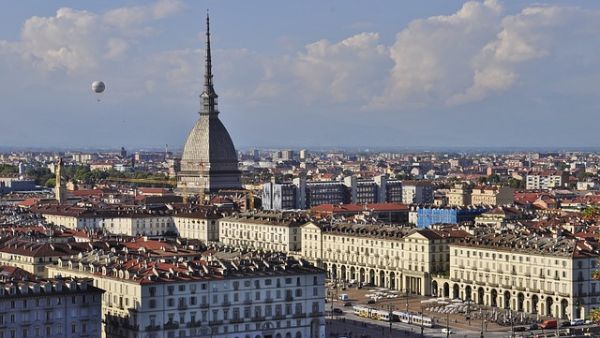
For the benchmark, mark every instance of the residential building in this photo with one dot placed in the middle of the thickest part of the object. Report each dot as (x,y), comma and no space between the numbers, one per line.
(398,258)
(546,180)
(273,231)
(459,195)
(248,295)
(302,194)
(201,225)
(541,275)
(492,195)
(33,256)
(417,192)
(132,222)
(53,308)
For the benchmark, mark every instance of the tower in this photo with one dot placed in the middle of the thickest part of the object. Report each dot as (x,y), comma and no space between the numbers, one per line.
(59,192)
(209,161)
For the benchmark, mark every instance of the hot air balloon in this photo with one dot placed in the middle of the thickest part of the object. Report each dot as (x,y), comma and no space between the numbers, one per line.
(98,86)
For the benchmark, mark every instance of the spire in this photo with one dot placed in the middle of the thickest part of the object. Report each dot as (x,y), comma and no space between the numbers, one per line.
(208,96)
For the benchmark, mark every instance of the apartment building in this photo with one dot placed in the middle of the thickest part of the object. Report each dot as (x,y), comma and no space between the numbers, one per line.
(273,231)
(544,275)
(459,195)
(33,256)
(201,225)
(399,258)
(132,222)
(53,308)
(303,194)
(417,192)
(492,195)
(251,295)
(546,180)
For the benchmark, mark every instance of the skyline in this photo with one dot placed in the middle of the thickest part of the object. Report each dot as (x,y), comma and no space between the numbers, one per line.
(402,75)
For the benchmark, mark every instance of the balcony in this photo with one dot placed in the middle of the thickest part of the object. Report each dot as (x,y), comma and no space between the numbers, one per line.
(289,298)
(247,302)
(194,324)
(171,326)
(181,306)
(236,320)
(153,328)
(203,306)
(268,300)
(258,318)
(279,317)
(316,314)
(215,322)
(226,303)
(548,292)
(565,294)
(299,315)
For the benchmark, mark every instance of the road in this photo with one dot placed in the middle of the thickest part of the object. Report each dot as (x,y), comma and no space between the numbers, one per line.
(362,326)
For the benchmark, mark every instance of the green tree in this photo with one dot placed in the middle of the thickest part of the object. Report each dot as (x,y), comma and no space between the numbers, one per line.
(8,170)
(50,183)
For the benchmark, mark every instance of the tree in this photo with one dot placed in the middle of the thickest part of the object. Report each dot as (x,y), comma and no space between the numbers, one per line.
(591,211)
(8,170)
(50,183)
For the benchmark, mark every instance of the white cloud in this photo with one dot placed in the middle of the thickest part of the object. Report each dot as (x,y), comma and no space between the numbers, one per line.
(466,56)
(78,40)
(126,16)
(431,56)
(345,71)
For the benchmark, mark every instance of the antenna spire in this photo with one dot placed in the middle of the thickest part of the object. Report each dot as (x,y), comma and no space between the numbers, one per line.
(209,97)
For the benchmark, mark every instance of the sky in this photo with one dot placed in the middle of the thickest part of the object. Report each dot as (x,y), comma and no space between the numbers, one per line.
(422,73)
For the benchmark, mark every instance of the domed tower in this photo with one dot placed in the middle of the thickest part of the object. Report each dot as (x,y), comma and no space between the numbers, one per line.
(209,162)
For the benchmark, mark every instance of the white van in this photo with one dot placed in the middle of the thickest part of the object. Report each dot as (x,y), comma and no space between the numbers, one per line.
(344,297)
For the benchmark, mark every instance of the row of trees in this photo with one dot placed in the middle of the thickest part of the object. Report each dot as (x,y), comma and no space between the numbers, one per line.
(79,174)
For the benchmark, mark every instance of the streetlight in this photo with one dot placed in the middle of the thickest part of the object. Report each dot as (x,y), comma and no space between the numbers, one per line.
(422,328)
(390,308)
(447,324)
(482,320)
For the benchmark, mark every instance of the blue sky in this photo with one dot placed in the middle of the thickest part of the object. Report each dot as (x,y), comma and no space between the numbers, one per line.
(306,73)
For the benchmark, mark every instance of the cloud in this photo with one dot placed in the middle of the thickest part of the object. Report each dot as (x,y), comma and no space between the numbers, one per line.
(431,56)
(535,33)
(78,40)
(348,70)
(126,16)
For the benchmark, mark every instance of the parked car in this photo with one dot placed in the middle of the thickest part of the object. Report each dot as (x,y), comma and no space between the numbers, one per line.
(519,328)
(347,304)
(549,324)
(534,326)
(337,311)
(371,301)
(565,324)
(575,322)
(447,331)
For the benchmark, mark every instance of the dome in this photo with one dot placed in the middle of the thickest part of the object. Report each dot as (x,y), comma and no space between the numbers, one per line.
(209,143)
(209,161)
